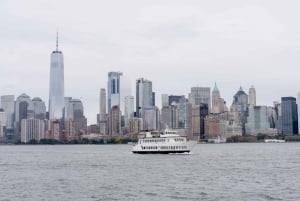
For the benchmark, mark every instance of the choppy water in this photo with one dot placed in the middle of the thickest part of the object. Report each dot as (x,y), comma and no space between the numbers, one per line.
(112,172)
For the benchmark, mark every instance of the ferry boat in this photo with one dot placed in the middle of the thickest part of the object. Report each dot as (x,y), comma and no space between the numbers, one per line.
(162,143)
(273,141)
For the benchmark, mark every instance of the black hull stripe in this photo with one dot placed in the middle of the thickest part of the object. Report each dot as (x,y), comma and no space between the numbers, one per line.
(159,152)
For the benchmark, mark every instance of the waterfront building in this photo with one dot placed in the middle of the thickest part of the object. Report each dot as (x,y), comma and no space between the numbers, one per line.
(252,97)
(144,96)
(113,90)
(23,110)
(166,117)
(56,91)
(114,121)
(239,108)
(102,106)
(298,104)
(2,125)
(129,109)
(200,95)
(199,112)
(32,129)
(39,108)
(164,100)
(150,118)
(76,123)
(215,125)
(257,120)
(135,125)
(8,105)
(289,116)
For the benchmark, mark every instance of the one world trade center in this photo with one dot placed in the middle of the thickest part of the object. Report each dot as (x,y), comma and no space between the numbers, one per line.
(56,92)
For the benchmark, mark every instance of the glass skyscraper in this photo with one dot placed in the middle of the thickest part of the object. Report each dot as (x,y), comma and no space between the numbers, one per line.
(113,90)
(56,92)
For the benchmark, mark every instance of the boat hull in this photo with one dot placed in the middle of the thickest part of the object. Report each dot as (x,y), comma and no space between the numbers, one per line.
(161,152)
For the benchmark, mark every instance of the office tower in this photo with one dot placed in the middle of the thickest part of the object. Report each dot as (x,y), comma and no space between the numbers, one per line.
(298,103)
(102,107)
(183,113)
(252,96)
(257,121)
(199,112)
(76,122)
(174,99)
(218,105)
(114,121)
(8,105)
(129,109)
(164,100)
(143,96)
(56,91)
(135,125)
(32,129)
(201,95)
(150,118)
(239,108)
(113,90)
(23,110)
(39,108)
(2,124)
(289,116)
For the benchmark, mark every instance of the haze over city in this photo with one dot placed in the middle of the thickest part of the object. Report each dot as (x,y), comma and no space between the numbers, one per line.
(175,44)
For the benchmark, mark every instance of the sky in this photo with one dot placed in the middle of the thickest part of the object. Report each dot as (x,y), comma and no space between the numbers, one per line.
(177,44)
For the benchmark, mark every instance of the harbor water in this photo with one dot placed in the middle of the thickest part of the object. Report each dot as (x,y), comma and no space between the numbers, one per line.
(243,171)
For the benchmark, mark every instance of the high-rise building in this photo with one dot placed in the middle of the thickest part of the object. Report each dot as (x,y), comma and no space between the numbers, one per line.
(23,110)
(164,100)
(8,105)
(39,108)
(289,116)
(2,124)
(257,121)
(239,108)
(102,107)
(252,96)
(218,105)
(298,103)
(56,92)
(113,90)
(200,95)
(129,109)
(75,120)
(143,96)
(114,121)
(32,129)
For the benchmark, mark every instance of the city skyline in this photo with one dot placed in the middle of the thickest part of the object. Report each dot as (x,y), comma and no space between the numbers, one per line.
(175,45)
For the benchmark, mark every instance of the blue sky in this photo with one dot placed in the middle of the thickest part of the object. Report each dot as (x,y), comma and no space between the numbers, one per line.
(175,44)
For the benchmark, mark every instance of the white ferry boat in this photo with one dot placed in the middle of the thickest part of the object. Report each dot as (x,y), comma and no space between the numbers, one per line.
(162,143)
(273,141)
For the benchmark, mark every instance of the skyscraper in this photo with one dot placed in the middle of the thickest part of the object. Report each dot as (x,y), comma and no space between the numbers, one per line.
(129,109)
(8,105)
(113,90)
(39,108)
(102,112)
(252,96)
(56,92)
(143,95)
(298,103)
(289,115)
(200,95)
(217,102)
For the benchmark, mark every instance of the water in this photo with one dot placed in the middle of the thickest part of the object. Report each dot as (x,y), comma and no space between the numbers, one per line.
(112,172)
